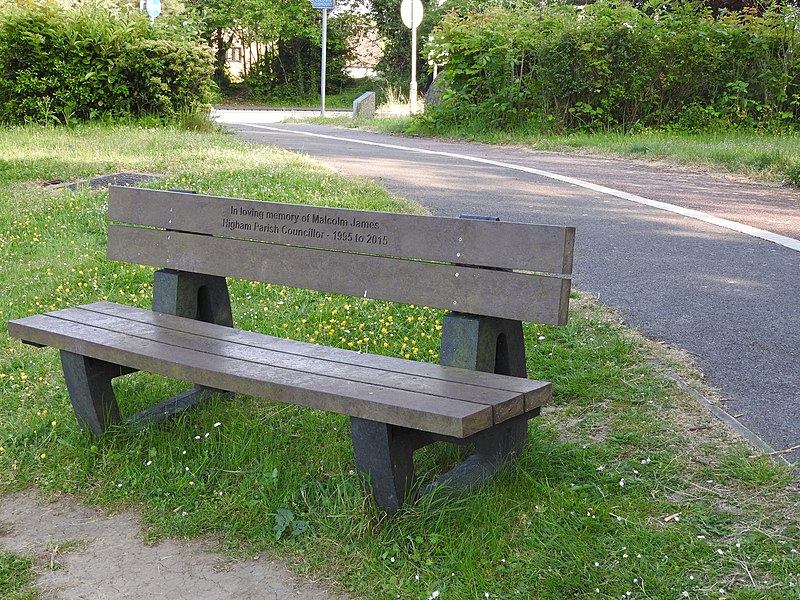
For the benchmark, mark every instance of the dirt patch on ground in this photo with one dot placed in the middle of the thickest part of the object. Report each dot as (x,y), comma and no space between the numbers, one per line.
(85,554)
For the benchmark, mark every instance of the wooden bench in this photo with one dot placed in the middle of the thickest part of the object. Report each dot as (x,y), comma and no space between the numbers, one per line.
(490,275)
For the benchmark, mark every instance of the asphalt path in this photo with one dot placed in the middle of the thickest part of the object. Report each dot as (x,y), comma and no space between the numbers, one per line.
(704,263)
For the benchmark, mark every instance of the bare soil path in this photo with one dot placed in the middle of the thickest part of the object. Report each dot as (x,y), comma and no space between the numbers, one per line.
(85,554)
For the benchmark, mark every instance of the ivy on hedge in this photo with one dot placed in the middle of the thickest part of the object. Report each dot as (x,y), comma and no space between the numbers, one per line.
(610,65)
(58,65)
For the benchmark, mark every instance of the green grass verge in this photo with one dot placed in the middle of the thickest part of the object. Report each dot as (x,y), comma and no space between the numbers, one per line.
(626,489)
(760,156)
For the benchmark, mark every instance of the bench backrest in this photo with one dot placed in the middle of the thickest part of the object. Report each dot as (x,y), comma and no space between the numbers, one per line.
(500,269)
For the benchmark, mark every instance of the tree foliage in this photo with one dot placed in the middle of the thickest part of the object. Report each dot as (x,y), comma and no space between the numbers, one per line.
(287,37)
(395,63)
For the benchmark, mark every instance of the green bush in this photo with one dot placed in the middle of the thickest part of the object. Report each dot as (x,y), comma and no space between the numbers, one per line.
(610,65)
(58,65)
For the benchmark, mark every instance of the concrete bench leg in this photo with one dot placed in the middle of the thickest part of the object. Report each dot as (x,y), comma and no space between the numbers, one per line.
(493,449)
(89,385)
(497,346)
(191,295)
(88,380)
(384,453)
(384,456)
(483,344)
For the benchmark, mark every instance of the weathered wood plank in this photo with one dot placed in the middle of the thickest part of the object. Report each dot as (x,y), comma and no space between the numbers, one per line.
(367,401)
(524,297)
(507,245)
(505,404)
(536,393)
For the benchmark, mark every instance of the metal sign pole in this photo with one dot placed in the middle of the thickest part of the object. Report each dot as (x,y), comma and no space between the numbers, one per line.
(324,58)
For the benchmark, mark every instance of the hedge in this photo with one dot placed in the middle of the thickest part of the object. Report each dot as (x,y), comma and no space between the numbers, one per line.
(610,65)
(58,65)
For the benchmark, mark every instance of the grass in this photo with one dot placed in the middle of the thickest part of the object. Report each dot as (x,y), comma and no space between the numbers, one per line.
(626,489)
(759,156)
(16,577)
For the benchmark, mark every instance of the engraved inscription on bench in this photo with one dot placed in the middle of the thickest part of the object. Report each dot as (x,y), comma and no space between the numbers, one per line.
(309,224)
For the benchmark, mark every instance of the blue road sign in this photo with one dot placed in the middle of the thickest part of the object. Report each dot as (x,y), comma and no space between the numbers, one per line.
(323,4)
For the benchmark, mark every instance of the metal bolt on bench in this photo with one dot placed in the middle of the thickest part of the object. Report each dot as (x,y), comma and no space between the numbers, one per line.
(490,275)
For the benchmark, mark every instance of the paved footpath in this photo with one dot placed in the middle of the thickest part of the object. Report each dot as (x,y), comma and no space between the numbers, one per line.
(705,263)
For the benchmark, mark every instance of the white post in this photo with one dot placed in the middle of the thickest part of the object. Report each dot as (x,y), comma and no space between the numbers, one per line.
(412,21)
(413,88)
(324,58)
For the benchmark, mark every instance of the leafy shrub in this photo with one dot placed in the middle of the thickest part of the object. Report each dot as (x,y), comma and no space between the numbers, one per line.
(166,76)
(612,65)
(58,64)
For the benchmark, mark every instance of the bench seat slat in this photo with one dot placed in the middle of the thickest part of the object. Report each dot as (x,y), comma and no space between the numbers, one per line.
(517,296)
(373,402)
(505,404)
(536,393)
(444,416)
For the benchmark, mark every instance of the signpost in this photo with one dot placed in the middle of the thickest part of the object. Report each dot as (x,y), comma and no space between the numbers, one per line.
(411,13)
(325,5)
(153,9)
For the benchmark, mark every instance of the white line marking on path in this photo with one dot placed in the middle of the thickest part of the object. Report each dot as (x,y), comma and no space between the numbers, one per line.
(781,240)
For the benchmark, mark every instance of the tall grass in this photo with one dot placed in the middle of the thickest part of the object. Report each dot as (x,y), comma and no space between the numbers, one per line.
(626,489)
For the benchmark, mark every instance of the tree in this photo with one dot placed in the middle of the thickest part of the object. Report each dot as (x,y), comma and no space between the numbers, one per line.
(288,35)
(395,65)
(289,69)
(218,21)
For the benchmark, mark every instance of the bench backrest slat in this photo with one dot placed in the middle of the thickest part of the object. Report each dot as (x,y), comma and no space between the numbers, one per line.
(456,264)
(525,246)
(538,298)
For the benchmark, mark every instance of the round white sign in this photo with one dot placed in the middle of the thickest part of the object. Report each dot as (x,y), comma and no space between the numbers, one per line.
(153,8)
(411,13)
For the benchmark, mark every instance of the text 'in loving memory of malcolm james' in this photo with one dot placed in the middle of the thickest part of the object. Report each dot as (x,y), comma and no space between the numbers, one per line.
(308,225)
